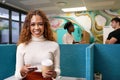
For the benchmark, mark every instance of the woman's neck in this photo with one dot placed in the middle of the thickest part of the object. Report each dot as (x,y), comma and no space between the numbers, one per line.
(41,38)
(69,32)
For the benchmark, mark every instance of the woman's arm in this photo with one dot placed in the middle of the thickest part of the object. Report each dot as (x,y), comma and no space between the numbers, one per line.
(57,61)
(19,60)
(56,64)
(64,39)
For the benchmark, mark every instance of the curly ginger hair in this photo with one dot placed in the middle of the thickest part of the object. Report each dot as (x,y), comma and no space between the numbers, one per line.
(25,35)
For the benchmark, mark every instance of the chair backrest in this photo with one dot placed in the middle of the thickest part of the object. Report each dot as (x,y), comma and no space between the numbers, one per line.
(7,60)
(73,60)
(107,61)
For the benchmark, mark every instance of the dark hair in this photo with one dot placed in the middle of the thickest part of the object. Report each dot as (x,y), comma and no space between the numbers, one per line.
(116,19)
(67,25)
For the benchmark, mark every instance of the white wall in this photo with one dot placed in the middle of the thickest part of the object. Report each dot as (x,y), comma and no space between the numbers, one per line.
(106,31)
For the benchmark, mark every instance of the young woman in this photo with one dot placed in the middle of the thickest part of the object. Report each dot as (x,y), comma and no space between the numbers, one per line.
(35,44)
(68,38)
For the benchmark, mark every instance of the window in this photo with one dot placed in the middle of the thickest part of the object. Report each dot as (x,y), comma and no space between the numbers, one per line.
(15,16)
(15,31)
(11,20)
(4,31)
(4,13)
(15,26)
(23,17)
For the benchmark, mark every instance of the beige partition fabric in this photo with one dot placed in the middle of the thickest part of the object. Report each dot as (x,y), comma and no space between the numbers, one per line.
(86,36)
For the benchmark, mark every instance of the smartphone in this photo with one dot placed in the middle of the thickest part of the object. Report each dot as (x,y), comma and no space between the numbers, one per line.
(32,68)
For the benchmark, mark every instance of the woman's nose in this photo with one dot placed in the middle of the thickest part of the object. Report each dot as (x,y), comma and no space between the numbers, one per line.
(36,26)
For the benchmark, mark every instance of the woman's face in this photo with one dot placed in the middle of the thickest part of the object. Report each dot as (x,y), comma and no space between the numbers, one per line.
(71,28)
(36,26)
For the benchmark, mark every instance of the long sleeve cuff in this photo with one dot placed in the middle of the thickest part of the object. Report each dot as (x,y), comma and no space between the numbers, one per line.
(19,76)
(57,71)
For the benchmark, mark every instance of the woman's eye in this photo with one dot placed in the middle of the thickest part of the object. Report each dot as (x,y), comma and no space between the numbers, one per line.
(40,24)
(33,24)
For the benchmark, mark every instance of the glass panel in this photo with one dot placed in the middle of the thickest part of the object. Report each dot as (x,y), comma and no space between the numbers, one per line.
(4,13)
(15,32)
(15,16)
(4,31)
(21,25)
(23,17)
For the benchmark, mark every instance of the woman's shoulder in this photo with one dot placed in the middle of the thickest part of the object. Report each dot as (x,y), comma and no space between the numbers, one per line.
(21,45)
(54,43)
(65,35)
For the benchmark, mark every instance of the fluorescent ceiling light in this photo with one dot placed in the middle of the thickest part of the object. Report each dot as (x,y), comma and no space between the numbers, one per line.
(75,9)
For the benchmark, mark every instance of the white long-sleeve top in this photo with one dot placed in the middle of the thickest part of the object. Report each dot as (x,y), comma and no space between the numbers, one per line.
(36,51)
(68,38)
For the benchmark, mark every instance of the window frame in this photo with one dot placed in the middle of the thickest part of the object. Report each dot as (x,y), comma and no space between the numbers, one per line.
(10,9)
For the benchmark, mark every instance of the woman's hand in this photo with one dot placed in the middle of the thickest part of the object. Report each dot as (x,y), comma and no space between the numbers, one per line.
(49,74)
(24,70)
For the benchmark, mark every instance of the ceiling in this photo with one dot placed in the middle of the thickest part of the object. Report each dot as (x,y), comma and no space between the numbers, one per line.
(54,6)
